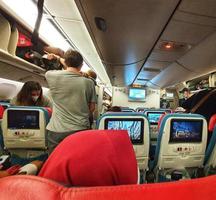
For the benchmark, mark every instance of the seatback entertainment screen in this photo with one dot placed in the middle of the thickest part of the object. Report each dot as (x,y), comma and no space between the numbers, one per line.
(134,127)
(154,117)
(186,130)
(23,119)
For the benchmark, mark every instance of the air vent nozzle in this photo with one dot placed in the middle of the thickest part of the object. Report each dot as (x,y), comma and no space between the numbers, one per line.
(101,24)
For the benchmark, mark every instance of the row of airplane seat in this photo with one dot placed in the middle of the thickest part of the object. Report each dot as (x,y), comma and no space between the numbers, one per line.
(180,148)
(180,145)
(24,130)
(34,188)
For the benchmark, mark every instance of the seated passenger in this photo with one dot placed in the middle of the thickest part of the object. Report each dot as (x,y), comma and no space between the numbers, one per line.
(93,158)
(29,169)
(31,95)
(114,109)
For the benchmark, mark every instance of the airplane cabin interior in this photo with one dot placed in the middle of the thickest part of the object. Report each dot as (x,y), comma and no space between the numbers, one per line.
(146,54)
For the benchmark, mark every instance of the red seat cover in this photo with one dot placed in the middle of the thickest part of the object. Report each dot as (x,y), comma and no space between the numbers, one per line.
(212,123)
(49,110)
(1,111)
(34,188)
(160,120)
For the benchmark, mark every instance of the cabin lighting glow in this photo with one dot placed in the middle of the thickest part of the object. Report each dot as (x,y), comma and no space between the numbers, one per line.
(27,11)
(168,46)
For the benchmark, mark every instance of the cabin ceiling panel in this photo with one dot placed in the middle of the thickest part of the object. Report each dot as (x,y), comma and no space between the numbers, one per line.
(194,31)
(194,19)
(65,9)
(147,75)
(202,58)
(76,32)
(130,34)
(124,75)
(172,75)
(199,7)
(184,32)
(165,56)
(156,64)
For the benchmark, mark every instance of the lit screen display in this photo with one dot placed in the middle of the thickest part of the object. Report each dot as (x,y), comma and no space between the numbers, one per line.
(186,130)
(136,94)
(154,117)
(170,95)
(23,119)
(133,126)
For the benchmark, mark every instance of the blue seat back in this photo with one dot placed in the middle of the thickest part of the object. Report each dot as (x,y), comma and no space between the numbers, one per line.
(29,135)
(137,125)
(181,141)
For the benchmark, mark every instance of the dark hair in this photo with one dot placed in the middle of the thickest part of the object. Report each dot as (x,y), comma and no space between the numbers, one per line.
(185,90)
(114,109)
(73,58)
(24,97)
(92,74)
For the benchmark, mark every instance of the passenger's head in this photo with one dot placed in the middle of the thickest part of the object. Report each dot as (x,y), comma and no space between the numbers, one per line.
(92,74)
(114,109)
(30,93)
(73,59)
(186,93)
(164,96)
(111,160)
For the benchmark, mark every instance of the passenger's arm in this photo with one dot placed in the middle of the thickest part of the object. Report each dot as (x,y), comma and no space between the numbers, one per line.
(91,107)
(51,56)
(92,96)
(47,102)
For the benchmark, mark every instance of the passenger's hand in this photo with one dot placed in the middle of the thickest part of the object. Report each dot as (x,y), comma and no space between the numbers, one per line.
(84,74)
(52,56)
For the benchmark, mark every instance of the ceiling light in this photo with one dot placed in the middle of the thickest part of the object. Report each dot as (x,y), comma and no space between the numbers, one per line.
(174,46)
(168,46)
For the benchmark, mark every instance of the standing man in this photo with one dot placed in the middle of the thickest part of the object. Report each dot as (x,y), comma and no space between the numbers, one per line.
(186,95)
(164,103)
(73,97)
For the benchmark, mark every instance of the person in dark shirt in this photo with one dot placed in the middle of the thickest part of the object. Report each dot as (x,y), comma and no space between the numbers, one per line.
(207,108)
(186,95)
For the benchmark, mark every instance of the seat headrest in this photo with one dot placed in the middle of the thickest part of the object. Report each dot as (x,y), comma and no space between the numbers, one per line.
(212,123)
(34,188)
